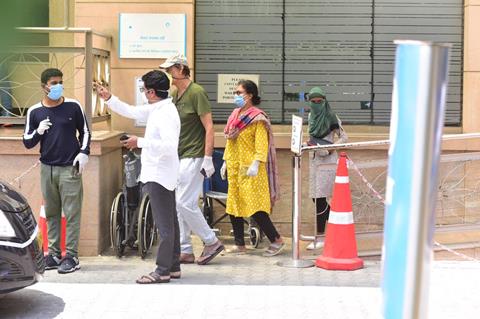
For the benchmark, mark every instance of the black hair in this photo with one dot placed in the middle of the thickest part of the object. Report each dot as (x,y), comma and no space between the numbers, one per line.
(157,81)
(50,73)
(251,88)
(185,70)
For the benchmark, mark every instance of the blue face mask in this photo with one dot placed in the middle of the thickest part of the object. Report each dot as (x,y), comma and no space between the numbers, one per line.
(239,100)
(56,92)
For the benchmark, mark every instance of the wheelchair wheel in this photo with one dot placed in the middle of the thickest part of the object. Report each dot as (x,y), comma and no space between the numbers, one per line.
(145,228)
(255,236)
(117,225)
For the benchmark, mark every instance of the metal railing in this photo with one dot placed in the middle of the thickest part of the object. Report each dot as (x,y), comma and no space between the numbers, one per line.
(95,63)
(447,189)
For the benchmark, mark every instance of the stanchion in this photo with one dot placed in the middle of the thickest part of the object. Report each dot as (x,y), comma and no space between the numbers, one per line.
(418,108)
(296,261)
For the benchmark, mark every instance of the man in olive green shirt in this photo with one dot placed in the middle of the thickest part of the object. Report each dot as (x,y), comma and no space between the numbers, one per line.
(195,151)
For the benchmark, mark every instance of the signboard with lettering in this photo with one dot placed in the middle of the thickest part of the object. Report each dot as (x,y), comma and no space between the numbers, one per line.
(297,134)
(227,84)
(152,36)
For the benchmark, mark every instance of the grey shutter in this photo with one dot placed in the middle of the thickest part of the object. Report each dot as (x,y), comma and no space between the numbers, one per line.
(240,37)
(327,43)
(440,21)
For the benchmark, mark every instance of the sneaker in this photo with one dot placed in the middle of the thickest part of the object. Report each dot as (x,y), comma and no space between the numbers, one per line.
(69,264)
(316,244)
(52,262)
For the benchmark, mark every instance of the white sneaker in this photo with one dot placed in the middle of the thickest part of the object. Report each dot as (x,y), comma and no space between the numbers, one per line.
(316,244)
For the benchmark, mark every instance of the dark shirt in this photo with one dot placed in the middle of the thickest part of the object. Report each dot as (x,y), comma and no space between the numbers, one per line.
(59,144)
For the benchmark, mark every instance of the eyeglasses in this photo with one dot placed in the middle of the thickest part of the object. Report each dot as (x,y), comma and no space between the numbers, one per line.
(239,93)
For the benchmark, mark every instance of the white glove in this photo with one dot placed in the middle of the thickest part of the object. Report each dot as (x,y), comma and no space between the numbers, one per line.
(82,160)
(207,166)
(253,169)
(223,171)
(43,126)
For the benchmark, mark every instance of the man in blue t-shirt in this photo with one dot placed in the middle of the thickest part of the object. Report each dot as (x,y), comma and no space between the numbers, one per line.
(54,122)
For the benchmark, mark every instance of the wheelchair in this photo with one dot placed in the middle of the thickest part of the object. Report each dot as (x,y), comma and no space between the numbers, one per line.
(215,189)
(131,219)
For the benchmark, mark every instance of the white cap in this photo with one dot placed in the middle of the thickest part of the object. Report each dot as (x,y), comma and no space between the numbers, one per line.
(175,59)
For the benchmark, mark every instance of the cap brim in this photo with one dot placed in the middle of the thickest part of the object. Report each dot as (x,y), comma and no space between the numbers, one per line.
(165,65)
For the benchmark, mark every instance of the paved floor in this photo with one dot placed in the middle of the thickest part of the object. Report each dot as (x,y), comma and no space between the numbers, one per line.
(233,286)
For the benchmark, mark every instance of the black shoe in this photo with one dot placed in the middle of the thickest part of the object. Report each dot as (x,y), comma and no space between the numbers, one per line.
(69,264)
(52,262)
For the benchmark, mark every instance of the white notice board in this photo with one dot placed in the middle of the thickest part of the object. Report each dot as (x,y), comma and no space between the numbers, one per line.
(297,134)
(152,35)
(227,83)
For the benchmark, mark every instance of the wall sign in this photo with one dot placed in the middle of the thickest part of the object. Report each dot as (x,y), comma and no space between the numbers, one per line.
(227,83)
(152,36)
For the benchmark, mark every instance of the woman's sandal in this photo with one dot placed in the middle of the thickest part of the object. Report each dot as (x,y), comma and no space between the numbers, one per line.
(235,250)
(152,278)
(274,249)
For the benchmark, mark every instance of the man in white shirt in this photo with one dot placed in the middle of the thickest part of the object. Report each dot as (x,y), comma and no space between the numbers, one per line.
(160,165)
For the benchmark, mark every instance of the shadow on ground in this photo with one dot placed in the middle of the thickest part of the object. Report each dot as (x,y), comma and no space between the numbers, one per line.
(30,303)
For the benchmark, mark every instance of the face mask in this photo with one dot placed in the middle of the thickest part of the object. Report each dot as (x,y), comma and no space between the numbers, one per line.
(144,98)
(56,92)
(239,100)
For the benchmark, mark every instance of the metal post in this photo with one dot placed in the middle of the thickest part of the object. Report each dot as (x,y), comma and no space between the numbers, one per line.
(88,76)
(418,105)
(296,262)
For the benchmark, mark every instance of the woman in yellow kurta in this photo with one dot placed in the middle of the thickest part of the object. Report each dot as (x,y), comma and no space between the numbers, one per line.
(251,165)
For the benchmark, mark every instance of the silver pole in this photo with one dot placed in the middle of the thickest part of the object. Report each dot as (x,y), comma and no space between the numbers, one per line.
(296,262)
(420,85)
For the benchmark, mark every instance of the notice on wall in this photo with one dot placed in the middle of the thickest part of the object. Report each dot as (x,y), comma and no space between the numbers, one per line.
(227,84)
(152,36)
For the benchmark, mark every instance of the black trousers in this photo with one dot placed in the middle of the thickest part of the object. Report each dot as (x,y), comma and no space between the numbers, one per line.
(165,215)
(264,222)
(322,211)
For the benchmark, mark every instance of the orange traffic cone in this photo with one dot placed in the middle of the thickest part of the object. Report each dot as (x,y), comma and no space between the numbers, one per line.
(340,250)
(63,232)
(42,224)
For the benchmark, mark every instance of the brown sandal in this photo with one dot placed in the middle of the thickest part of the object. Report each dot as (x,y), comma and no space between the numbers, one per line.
(205,258)
(152,278)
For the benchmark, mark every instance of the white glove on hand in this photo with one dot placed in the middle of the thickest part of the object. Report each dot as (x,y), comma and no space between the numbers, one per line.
(82,160)
(253,169)
(207,166)
(43,126)
(223,171)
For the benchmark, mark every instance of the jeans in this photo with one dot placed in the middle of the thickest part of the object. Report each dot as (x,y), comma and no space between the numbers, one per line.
(163,210)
